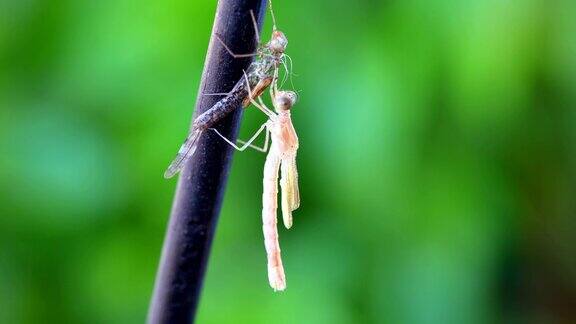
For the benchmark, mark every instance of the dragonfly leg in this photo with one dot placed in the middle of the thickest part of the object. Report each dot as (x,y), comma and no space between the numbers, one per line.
(255,24)
(230,51)
(261,101)
(274,85)
(246,144)
(262,149)
(276,82)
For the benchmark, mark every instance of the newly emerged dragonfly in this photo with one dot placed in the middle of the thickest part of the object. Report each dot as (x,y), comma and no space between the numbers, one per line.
(281,157)
(260,74)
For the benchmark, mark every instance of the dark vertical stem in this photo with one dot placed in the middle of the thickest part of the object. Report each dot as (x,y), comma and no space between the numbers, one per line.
(202,182)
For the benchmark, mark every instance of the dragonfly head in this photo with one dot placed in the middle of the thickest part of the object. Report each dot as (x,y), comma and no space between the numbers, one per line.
(284,100)
(278,42)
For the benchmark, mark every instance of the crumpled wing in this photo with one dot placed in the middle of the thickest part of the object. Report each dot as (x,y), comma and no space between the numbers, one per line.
(290,190)
(186,151)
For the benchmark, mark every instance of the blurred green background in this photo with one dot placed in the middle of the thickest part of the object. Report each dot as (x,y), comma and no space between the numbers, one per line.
(437,162)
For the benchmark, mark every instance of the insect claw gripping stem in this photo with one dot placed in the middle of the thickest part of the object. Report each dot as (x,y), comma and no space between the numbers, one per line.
(234,55)
(201,186)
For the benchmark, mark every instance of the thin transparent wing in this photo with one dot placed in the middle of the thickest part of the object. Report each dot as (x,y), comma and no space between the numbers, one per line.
(293,180)
(290,190)
(186,151)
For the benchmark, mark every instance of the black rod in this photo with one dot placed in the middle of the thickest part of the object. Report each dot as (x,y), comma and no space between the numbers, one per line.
(201,186)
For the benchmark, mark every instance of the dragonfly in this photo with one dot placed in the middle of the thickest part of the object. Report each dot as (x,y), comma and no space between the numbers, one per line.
(281,159)
(259,75)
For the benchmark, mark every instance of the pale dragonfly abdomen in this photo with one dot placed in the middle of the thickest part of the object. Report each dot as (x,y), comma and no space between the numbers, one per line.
(281,159)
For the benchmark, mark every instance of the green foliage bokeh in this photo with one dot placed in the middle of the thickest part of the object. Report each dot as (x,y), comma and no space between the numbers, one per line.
(437,162)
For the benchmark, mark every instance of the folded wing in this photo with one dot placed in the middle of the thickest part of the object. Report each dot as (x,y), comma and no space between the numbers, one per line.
(290,190)
(186,151)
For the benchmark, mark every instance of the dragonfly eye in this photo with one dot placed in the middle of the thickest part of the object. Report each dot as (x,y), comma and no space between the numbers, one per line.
(285,100)
(278,42)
